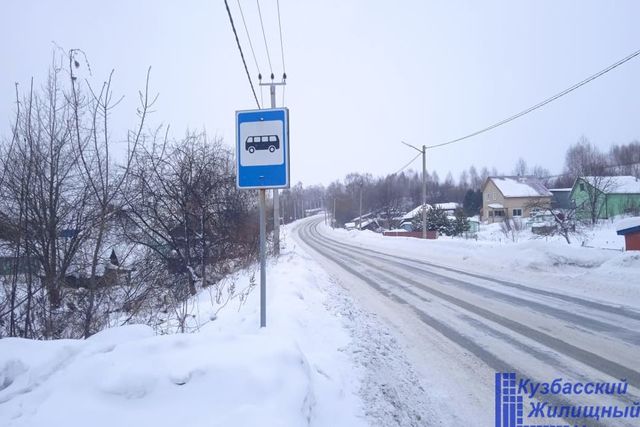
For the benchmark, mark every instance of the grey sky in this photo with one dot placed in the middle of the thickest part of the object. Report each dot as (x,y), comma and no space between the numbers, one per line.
(363,75)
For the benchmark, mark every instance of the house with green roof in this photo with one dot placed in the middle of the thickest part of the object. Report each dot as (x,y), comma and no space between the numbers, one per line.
(603,197)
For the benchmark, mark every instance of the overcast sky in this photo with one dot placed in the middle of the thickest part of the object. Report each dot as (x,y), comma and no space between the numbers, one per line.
(363,75)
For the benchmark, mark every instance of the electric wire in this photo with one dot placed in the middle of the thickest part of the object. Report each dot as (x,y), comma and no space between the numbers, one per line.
(408,164)
(542,103)
(264,36)
(235,33)
(284,69)
(253,52)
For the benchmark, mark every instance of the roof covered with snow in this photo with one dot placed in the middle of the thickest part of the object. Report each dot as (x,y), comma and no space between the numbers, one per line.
(625,184)
(495,206)
(449,206)
(628,224)
(444,206)
(520,186)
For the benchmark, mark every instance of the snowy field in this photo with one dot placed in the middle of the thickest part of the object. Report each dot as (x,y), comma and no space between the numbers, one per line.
(301,370)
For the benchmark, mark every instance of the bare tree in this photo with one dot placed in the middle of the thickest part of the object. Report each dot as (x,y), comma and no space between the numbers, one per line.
(181,202)
(564,219)
(511,228)
(584,159)
(45,193)
(521,168)
(625,159)
(591,194)
(93,146)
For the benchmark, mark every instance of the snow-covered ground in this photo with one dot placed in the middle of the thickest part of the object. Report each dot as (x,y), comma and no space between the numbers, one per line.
(594,265)
(317,363)
(329,356)
(463,310)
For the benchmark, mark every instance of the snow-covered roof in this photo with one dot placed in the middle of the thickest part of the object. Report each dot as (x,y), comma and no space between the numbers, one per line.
(625,184)
(354,224)
(495,206)
(444,206)
(520,186)
(367,215)
(449,206)
(627,223)
(367,222)
(560,189)
(413,213)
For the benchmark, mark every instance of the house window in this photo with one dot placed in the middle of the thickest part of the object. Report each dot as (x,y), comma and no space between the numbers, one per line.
(499,213)
(581,186)
(517,212)
(490,213)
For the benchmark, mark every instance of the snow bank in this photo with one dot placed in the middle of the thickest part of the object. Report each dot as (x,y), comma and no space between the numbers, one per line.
(129,378)
(593,266)
(231,373)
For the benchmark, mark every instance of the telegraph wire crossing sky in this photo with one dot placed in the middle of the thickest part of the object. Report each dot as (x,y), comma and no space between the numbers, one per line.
(361,76)
(530,109)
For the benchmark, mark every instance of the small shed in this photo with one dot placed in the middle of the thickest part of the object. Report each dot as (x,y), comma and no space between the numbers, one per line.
(630,229)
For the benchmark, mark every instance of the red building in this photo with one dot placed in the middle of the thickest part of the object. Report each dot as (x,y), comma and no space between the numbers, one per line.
(630,229)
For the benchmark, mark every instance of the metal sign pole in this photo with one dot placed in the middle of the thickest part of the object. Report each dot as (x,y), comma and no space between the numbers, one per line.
(276,194)
(262,156)
(263,260)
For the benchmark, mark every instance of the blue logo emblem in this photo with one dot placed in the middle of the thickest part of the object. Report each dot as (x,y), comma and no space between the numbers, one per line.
(509,403)
(548,406)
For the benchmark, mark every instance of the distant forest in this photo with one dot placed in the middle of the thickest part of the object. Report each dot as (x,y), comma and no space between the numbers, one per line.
(401,192)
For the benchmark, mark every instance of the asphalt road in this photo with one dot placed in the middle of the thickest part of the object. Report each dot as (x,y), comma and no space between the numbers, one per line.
(481,325)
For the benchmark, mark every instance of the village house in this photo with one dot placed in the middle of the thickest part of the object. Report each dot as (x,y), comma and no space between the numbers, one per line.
(606,196)
(512,197)
(561,198)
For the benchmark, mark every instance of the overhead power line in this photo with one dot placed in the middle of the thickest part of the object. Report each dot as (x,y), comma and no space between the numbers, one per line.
(542,103)
(264,36)
(408,164)
(233,27)
(253,52)
(284,69)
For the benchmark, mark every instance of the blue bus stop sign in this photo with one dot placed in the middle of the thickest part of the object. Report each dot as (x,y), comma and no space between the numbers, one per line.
(262,148)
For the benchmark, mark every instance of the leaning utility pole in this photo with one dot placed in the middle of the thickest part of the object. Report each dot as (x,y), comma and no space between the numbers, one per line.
(276,192)
(424,186)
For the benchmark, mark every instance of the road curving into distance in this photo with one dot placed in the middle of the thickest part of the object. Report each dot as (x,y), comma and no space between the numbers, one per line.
(503,326)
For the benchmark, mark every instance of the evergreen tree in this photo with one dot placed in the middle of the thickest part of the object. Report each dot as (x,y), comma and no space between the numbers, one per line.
(460,224)
(472,202)
(436,220)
